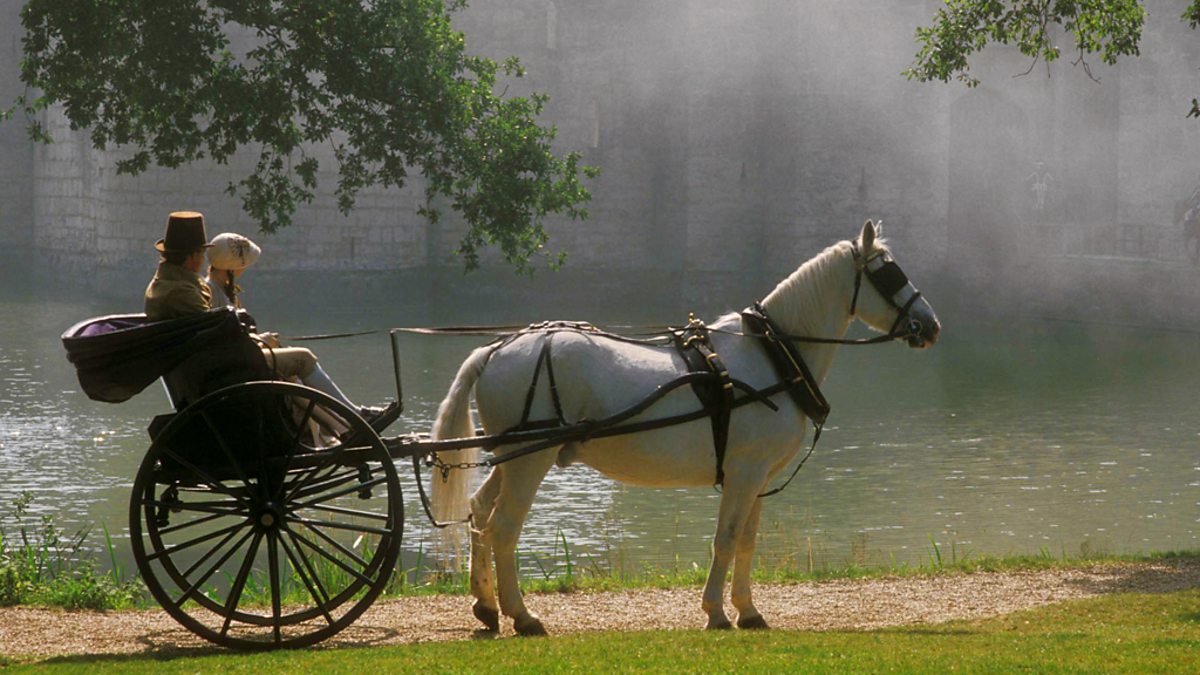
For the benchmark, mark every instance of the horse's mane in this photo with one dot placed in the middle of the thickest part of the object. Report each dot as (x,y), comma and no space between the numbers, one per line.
(802,300)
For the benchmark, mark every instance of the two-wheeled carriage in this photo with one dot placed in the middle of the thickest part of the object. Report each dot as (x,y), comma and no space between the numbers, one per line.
(267,514)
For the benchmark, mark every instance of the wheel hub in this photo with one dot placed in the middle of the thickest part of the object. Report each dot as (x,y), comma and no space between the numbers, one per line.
(269,517)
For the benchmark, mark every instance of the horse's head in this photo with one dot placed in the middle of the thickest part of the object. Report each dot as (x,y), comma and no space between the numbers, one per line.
(889,302)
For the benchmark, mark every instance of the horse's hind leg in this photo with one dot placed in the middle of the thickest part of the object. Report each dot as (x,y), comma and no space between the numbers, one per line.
(748,616)
(519,484)
(483,579)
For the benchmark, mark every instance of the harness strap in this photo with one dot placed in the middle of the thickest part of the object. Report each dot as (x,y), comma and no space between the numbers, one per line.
(544,360)
(816,437)
(791,369)
(537,371)
(554,397)
(716,394)
(789,365)
(614,425)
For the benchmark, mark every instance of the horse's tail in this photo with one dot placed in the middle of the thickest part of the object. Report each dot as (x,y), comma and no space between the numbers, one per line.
(454,420)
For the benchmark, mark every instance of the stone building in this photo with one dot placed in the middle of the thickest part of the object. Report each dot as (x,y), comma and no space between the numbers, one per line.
(735,140)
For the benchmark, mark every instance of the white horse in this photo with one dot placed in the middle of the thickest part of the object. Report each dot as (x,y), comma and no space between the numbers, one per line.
(597,376)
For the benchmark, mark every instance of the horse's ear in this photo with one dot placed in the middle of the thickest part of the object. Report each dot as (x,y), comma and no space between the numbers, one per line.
(867,238)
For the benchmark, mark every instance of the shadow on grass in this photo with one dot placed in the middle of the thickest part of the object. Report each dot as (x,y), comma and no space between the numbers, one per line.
(171,644)
(1168,574)
(927,631)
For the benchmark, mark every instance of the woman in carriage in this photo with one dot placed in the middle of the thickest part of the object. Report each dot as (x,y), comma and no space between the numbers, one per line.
(177,290)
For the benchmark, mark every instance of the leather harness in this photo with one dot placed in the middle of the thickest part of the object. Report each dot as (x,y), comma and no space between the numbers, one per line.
(708,376)
(715,394)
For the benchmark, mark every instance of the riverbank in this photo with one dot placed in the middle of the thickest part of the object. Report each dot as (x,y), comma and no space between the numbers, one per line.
(35,634)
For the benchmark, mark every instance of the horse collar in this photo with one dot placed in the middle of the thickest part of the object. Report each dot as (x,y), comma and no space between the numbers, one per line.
(788,363)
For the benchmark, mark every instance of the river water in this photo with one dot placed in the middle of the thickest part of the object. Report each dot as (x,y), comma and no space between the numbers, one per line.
(1009,437)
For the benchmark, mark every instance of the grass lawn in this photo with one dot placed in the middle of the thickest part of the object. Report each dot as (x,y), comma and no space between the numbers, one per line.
(1116,633)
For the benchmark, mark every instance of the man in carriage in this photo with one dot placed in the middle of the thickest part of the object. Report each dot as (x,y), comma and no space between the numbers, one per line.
(177,290)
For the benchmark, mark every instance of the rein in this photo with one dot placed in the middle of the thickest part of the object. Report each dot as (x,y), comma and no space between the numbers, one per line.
(654,334)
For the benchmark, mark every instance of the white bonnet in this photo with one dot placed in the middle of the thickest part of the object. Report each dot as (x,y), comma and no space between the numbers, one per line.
(232,252)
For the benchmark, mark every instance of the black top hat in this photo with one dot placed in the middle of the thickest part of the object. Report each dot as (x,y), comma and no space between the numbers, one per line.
(185,233)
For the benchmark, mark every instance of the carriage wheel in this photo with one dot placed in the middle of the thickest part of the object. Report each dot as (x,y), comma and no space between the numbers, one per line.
(266,515)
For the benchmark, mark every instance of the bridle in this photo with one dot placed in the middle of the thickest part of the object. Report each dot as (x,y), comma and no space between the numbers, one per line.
(892,284)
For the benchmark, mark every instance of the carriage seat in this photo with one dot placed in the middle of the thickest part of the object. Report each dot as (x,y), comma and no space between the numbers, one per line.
(118,356)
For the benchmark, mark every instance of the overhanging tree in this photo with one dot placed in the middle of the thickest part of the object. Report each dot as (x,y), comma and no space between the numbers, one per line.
(1106,29)
(387,85)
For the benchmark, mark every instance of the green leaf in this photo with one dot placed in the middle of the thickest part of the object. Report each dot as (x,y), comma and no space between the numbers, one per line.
(388,84)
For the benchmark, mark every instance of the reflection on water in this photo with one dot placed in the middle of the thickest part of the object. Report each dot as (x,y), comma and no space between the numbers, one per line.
(1007,438)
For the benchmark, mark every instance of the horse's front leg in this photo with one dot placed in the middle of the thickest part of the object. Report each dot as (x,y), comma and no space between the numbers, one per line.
(519,484)
(748,616)
(737,502)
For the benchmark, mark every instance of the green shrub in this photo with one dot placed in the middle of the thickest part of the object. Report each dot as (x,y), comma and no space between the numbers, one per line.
(40,564)
(12,587)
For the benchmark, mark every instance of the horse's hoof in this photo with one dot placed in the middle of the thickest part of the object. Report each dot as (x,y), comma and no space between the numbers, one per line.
(723,624)
(755,622)
(488,616)
(529,626)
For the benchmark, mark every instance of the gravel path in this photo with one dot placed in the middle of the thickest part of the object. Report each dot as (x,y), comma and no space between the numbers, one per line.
(35,634)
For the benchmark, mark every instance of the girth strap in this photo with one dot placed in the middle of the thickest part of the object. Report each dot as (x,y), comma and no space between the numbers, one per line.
(716,395)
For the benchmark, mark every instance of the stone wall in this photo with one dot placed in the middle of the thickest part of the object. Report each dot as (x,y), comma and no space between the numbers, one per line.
(16,150)
(735,139)
(1159,145)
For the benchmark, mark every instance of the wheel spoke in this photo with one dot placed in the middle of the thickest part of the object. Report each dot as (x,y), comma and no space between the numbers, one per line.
(172,550)
(342,526)
(325,463)
(345,491)
(192,523)
(203,475)
(295,444)
(325,554)
(211,505)
(237,466)
(304,569)
(276,590)
(334,480)
(308,412)
(235,591)
(212,570)
(343,511)
(194,507)
(338,545)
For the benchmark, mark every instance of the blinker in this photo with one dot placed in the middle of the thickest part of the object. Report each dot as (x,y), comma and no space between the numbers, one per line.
(888,279)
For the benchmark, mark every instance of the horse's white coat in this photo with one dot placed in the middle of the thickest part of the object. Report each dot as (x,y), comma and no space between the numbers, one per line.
(597,377)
